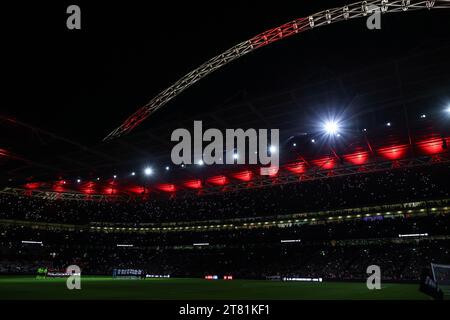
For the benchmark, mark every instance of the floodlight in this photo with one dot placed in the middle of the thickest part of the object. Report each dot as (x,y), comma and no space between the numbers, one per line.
(331,127)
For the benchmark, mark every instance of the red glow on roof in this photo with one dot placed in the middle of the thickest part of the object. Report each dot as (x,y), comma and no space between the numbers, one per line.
(325,163)
(59,186)
(193,184)
(394,152)
(167,187)
(357,158)
(270,171)
(218,180)
(297,168)
(244,175)
(33,185)
(137,189)
(431,146)
(4,153)
(110,190)
(88,188)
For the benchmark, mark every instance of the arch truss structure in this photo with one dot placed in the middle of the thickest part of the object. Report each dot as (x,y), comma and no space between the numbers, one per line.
(326,17)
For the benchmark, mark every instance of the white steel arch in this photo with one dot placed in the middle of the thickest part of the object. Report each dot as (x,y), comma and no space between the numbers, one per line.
(326,17)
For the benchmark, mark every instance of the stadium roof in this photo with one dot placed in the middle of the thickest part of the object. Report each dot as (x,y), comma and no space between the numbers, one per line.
(53,128)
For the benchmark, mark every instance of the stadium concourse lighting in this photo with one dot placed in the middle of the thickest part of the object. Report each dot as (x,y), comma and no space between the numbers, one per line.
(133,173)
(388,124)
(200,162)
(423,116)
(294,144)
(235,156)
(31,242)
(313,140)
(98,179)
(167,168)
(114,176)
(148,171)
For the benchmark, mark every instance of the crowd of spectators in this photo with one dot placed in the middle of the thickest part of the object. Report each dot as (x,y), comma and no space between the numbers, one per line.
(398,185)
(330,249)
(333,250)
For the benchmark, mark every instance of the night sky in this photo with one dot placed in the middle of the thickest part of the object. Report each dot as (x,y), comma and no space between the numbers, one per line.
(82,84)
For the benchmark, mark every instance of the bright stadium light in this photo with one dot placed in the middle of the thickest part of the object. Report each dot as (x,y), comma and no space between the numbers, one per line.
(235,156)
(200,162)
(331,127)
(167,168)
(98,179)
(272,149)
(78,180)
(423,116)
(148,171)
(388,124)
(313,140)
(294,144)
(447,109)
(133,173)
(114,176)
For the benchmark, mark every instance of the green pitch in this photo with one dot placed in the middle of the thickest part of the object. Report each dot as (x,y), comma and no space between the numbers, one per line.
(15,287)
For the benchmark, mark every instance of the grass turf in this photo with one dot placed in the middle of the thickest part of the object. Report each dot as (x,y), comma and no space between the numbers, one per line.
(26,287)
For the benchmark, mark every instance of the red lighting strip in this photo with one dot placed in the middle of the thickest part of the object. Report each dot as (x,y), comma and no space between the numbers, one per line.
(218,180)
(193,184)
(167,187)
(432,146)
(243,176)
(429,146)
(325,163)
(394,152)
(297,168)
(357,158)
